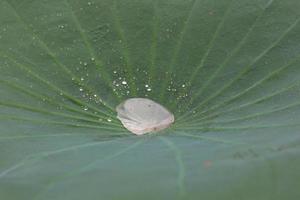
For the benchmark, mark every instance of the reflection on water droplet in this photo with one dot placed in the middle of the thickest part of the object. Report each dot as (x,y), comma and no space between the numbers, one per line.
(85,108)
(183,85)
(149,89)
(124,82)
(109,120)
(146,85)
(80,89)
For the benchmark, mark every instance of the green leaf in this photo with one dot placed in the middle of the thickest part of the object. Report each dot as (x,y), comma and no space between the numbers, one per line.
(229,71)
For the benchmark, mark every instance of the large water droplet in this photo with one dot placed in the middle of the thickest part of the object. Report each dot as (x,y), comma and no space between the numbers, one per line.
(141,115)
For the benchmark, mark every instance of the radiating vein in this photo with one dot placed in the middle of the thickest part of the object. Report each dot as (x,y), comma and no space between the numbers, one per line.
(210,45)
(253,86)
(235,128)
(30,92)
(212,139)
(120,31)
(88,166)
(245,70)
(18,137)
(179,160)
(38,156)
(255,101)
(231,54)
(170,68)
(207,52)
(52,55)
(227,59)
(153,43)
(52,113)
(77,125)
(248,116)
(88,45)
(52,86)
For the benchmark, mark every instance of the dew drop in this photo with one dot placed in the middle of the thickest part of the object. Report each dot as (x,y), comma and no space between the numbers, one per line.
(124,82)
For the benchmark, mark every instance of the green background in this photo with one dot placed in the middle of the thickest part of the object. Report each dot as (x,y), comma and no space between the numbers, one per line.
(228,70)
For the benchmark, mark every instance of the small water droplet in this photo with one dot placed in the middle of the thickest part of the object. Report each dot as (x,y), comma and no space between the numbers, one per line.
(85,108)
(149,89)
(146,85)
(92,58)
(124,82)
(183,85)
(82,79)
(109,120)
(80,89)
